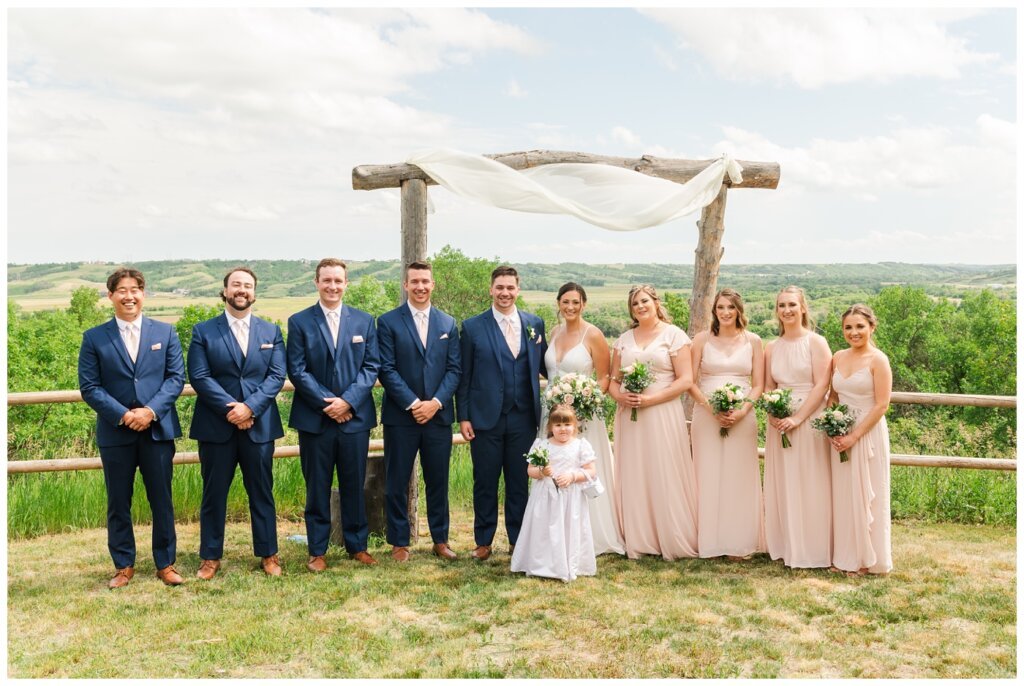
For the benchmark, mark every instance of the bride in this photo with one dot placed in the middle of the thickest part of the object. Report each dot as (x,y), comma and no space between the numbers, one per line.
(577,346)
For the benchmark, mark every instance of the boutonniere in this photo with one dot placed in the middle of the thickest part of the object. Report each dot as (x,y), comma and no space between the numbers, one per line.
(533,334)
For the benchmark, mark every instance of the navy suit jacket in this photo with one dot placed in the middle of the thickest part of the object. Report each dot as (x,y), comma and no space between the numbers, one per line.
(479,396)
(220,375)
(319,371)
(410,372)
(111,384)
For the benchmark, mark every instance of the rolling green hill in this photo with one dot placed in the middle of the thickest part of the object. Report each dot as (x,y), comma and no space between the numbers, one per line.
(284,278)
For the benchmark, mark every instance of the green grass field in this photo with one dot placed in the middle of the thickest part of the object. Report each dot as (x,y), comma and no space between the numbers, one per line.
(946,611)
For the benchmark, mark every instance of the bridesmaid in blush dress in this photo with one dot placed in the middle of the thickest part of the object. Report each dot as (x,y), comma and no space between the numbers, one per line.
(730,519)
(797,479)
(657,487)
(861,380)
(580,347)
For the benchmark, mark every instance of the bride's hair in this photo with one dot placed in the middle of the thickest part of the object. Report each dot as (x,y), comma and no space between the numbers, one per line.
(663,314)
(568,288)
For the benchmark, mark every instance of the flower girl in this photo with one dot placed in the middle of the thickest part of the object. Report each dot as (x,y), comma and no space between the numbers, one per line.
(555,540)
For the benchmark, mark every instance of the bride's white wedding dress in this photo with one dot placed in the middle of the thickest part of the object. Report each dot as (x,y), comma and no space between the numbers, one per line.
(603,520)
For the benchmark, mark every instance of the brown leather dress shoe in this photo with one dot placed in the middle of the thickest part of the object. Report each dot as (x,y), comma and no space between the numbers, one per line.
(511,549)
(481,552)
(400,553)
(316,563)
(169,575)
(122,578)
(364,557)
(207,569)
(271,565)
(443,551)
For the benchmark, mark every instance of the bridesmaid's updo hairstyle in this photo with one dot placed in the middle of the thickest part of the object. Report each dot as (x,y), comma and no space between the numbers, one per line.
(663,314)
(866,312)
(805,318)
(561,414)
(737,300)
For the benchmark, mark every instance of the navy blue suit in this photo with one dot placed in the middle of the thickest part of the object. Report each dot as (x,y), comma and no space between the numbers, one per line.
(220,374)
(410,372)
(319,370)
(501,397)
(112,384)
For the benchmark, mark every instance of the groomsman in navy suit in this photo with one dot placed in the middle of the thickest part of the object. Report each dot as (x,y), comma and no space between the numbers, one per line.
(333,362)
(130,372)
(236,364)
(419,369)
(498,404)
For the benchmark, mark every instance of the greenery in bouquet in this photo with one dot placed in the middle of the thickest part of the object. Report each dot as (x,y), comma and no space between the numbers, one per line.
(836,420)
(779,404)
(580,392)
(635,379)
(726,399)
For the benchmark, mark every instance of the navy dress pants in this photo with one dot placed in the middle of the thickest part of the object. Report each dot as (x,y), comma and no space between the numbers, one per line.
(433,441)
(153,459)
(217,462)
(322,455)
(496,451)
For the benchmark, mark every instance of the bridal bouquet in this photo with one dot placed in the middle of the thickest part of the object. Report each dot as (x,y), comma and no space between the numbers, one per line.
(836,420)
(725,399)
(778,404)
(581,392)
(635,378)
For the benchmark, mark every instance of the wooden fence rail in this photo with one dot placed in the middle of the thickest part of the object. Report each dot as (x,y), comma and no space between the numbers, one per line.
(377,445)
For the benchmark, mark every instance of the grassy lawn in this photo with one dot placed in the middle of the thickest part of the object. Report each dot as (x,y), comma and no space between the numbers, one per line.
(947,611)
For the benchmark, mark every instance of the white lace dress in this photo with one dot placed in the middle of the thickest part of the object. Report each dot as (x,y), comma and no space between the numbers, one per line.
(555,540)
(603,519)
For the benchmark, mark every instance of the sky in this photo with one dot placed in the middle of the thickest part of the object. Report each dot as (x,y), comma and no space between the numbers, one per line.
(144,134)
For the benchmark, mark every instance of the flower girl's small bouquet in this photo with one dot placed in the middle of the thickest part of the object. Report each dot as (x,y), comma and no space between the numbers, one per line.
(635,379)
(538,456)
(778,404)
(725,399)
(581,392)
(836,420)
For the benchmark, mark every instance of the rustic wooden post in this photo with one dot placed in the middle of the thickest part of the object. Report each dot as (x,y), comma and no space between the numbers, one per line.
(708,258)
(414,247)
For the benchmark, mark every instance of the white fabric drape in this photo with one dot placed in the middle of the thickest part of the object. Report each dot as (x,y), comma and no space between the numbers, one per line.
(610,197)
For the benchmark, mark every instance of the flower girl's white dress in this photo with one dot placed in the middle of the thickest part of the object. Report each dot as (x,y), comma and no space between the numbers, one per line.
(555,540)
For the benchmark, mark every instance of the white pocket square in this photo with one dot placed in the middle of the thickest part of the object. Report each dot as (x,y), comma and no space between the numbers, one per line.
(265,346)
(155,346)
(357,339)
(443,336)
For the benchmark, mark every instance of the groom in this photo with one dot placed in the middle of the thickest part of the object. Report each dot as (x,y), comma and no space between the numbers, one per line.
(498,405)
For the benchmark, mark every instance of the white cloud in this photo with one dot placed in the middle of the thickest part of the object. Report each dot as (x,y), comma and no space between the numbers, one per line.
(925,158)
(620,134)
(334,69)
(815,47)
(231,210)
(514,90)
(997,132)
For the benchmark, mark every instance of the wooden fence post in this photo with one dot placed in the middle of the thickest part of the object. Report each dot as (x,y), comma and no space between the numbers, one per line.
(414,247)
(708,257)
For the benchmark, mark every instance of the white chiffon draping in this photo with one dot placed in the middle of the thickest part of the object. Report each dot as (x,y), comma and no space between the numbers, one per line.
(610,197)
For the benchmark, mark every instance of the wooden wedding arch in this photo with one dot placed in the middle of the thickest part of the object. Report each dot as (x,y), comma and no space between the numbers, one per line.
(413,183)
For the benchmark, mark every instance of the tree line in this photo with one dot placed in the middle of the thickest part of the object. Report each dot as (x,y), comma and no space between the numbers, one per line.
(935,345)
